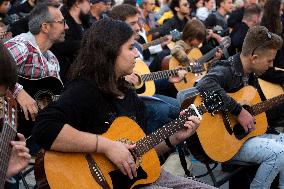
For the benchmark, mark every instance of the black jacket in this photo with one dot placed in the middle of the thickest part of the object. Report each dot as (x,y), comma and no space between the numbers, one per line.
(20,26)
(237,36)
(228,76)
(66,51)
(235,17)
(171,24)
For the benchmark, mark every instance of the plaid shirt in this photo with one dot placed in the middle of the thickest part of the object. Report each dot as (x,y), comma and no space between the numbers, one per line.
(31,62)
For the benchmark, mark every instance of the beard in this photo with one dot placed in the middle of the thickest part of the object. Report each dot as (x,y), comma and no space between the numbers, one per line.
(85,19)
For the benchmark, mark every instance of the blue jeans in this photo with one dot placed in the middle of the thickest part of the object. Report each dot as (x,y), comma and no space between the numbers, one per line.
(268,151)
(160,110)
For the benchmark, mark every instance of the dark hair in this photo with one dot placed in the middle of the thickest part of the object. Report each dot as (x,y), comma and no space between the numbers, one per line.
(271,16)
(69,3)
(97,56)
(194,29)
(130,2)
(2,1)
(218,3)
(258,39)
(121,12)
(252,10)
(8,68)
(39,15)
(173,5)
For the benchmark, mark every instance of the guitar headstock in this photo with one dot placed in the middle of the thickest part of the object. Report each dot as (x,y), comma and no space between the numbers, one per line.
(213,102)
(225,42)
(10,110)
(176,35)
(196,68)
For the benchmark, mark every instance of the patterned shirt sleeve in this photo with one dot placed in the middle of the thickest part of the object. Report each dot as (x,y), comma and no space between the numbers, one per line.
(179,54)
(16,90)
(19,52)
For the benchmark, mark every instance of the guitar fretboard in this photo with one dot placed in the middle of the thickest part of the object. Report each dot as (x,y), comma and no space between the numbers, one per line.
(207,56)
(7,135)
(267,104)
(163,74)
(150,141)
(154,42)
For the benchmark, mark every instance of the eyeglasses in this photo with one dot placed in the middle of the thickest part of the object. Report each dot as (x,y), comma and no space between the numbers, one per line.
(268,38)
(63,21)
(185,4)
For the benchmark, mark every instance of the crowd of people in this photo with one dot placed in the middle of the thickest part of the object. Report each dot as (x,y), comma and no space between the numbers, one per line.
(91,47)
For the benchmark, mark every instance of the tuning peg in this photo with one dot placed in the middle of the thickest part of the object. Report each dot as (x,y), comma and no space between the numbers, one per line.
(213,113)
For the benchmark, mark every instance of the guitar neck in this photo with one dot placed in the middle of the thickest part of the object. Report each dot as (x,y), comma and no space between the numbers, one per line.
(163,74)
(207,56)
(266,105)
(150,141)
(154,42)
(7,135)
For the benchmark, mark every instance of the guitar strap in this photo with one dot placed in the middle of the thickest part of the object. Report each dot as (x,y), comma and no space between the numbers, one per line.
(182,159)
(96,172)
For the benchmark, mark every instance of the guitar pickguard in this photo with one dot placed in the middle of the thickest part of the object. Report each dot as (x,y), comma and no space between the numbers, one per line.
(121,181)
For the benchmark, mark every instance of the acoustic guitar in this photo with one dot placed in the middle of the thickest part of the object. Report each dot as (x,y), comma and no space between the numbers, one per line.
(146,77)
(195,54)
(8,125)
(78,170)
(269,89)
(43,90)
(176,35)
(221,136)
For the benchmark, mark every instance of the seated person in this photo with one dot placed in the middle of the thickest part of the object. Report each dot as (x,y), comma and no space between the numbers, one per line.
(194,33)
(20,156)
(158,111)
(96,96)
(257,55)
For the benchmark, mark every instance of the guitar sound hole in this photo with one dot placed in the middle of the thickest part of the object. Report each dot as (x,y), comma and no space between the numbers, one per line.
(239,132)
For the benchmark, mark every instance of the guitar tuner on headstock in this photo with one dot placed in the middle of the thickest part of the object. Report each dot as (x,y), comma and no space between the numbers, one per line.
(213,102)
(176,35)
(225,42)
(197,68)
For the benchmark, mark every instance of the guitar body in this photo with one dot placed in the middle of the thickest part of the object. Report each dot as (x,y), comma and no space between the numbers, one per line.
(147,29)
(37,87)
(71,171)
(270,90)
(216,141)
(43,90)
(140,69)
(190,78)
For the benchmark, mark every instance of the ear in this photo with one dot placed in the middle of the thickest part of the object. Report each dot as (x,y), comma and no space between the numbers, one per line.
(177,9)
(253,58)
(45,27)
